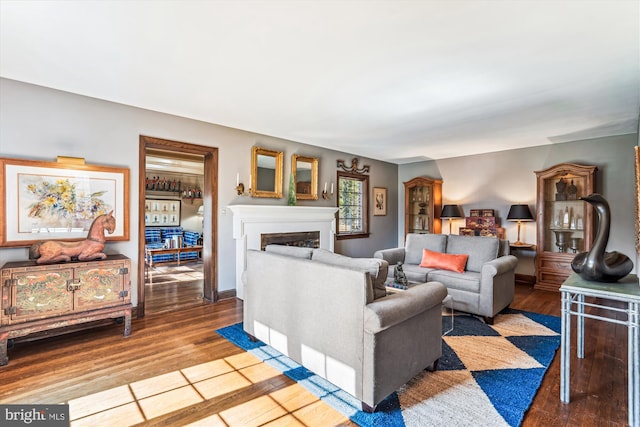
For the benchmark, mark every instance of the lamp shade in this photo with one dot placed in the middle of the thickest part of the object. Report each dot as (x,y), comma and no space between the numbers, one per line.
(519,213)
(450,211)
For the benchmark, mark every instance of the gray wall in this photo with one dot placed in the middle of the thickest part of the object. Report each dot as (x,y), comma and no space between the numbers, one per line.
(39,124)
(497,180)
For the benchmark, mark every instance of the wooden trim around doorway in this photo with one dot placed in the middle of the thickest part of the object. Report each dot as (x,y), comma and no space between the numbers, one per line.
(210,203)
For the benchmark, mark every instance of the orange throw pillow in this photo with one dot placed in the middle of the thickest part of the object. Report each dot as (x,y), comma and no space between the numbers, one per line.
(453,262)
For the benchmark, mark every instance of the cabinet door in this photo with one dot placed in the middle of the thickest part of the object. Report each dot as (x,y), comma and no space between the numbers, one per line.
(420,207)
(100,285)
(41,294)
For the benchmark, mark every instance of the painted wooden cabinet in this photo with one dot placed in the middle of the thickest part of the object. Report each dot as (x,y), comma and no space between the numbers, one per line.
(422,206)
(565,224)
(38,298)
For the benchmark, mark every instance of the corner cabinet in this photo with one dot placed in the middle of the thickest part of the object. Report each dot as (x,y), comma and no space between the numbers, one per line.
(564,222)
(36,298)
(422,206)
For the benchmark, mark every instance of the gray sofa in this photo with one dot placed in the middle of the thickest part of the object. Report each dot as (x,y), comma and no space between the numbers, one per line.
(485,287)
(321,309)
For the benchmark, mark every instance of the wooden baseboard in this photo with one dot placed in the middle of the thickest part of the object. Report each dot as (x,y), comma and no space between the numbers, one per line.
(231,293)
(525,279)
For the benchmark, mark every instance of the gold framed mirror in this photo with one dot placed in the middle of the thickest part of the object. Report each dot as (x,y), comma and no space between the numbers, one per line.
(305,175)
(266,173)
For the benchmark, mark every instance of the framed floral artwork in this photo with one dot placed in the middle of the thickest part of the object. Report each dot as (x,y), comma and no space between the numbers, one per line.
(59,200)
(379,201)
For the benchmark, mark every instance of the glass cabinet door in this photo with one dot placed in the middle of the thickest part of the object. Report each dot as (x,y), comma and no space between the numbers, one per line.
(565,214)
(423,203)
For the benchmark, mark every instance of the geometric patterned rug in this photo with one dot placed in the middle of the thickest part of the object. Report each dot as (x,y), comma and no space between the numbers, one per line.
(488,375)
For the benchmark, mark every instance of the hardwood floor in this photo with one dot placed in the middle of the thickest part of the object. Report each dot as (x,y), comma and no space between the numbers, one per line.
(173,287)
(175,370)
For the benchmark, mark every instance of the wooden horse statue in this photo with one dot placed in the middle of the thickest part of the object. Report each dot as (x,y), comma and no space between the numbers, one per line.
(53,251)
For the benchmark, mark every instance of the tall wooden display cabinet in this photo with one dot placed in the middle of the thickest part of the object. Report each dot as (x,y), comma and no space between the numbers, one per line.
(422,206)
(565,224)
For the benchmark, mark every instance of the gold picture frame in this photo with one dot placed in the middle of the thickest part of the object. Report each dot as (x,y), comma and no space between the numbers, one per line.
(59,200)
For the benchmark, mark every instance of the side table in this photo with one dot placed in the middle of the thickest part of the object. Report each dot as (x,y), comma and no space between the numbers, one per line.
(574,290)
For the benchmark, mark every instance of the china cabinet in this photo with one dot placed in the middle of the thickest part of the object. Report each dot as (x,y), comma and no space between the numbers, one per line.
(422,205)
(36,298)
(564,222)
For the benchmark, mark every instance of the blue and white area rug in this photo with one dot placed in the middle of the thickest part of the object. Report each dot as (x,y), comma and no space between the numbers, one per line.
(487,376)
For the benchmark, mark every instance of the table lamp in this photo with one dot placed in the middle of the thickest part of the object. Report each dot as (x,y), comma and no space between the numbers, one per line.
(519,213)
(450,212)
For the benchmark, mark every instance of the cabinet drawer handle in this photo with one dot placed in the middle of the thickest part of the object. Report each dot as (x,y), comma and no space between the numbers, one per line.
(73,285)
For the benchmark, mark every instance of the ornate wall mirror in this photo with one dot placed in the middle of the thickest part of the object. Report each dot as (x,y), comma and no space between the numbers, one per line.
(266,173)
(305,175)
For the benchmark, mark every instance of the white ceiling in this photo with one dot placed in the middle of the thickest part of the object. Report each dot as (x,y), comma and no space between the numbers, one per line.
(399,81)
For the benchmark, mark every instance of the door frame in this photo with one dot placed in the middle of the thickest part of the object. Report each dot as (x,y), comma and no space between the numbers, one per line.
(210,221)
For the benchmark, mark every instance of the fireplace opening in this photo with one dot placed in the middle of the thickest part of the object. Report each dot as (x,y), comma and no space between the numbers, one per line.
(302,239)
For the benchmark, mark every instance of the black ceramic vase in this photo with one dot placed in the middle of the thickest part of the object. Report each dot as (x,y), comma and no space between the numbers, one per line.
(598,265)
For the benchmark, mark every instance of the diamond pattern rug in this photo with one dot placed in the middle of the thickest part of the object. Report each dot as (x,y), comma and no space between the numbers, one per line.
(487,376)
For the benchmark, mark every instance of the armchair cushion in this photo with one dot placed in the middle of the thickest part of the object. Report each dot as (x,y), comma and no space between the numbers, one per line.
(377,268)
(453,262)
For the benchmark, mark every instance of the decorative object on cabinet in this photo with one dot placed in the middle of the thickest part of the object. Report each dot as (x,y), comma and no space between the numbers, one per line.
(379,201)
(161,212)
(39,298)
(305,176)
(59,200)
(519,213)
(51,251)
(266,173)
(564,222)
(422,205)
(450,212)
(482,223)
(598,265)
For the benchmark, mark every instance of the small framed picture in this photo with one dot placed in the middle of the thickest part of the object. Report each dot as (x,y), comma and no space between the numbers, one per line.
(379,201)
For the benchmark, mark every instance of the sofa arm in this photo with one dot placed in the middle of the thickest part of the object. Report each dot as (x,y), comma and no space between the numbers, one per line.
(392,256)
(398,307)
(499,266)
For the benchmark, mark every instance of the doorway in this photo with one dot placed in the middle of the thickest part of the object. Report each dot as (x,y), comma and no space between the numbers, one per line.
(206,204)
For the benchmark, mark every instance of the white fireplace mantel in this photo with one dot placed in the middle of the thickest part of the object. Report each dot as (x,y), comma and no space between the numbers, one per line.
(251,221)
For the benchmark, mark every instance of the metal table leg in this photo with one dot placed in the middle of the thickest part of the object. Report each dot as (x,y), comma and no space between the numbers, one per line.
(565,351)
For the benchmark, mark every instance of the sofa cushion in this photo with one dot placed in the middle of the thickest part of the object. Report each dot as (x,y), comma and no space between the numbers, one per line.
(377,268)
(438,260)
(415,273)
(417,242)
(293,251)
(468,281)
(480,249)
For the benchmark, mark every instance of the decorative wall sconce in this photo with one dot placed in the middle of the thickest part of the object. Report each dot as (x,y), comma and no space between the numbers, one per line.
(326,195)
(239,185)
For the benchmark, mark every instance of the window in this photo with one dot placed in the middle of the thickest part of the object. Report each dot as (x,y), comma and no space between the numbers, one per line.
(353,205)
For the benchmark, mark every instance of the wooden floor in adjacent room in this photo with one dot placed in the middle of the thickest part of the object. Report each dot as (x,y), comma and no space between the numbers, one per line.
(99,370)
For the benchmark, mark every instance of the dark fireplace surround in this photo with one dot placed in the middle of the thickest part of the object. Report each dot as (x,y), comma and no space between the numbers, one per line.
(302,239)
